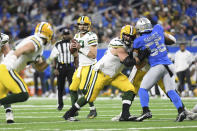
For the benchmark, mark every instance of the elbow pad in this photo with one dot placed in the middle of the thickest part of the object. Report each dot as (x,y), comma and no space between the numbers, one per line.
(129,61)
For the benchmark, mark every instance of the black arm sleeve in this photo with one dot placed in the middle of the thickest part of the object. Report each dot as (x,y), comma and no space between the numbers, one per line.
(129,61)
(143,54)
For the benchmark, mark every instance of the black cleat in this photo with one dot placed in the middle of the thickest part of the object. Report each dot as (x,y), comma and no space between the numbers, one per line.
(130,118)
(146,115)
(92,114)
(181,116)
(68,117)
(60,107)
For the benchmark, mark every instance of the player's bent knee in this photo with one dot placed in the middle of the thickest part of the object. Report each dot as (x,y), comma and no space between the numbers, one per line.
(23,96)
(129,95)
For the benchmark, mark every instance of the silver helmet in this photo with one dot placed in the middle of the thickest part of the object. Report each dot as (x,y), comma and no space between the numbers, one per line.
(143,25)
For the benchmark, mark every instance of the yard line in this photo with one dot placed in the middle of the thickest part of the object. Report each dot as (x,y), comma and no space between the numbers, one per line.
(11,128)
(144,128)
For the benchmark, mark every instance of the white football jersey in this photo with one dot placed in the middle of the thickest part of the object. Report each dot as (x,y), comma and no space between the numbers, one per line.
(3,40)
(85,41)
(109,63)
(22,60)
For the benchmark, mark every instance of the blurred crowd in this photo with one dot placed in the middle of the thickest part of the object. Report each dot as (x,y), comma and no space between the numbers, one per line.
(19,17)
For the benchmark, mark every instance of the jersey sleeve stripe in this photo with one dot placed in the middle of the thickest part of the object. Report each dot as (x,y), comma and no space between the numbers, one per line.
(36,42)
(92,41)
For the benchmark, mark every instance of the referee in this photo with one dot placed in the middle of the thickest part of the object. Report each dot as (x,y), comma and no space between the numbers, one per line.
(65,64)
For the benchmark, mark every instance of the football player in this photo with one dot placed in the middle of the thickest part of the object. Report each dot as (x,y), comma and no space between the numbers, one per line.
(4,49)
(87,51)
(161,66)
(27,51)
(107,71)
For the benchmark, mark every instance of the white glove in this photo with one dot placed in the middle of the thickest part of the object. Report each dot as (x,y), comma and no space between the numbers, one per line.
(3,39)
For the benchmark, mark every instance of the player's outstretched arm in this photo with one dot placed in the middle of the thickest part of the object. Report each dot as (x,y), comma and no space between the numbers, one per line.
(26,49)
(124,57)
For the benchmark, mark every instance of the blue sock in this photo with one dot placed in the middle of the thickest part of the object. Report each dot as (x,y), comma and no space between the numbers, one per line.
(175,98)
(144,97)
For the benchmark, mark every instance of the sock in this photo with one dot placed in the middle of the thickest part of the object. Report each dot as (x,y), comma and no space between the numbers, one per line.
(92,107)
(82,101)
(125,108)
(7,106)
(144,97)
(13,98)
(176,100)
(145,109)
(73,96)
(74,109)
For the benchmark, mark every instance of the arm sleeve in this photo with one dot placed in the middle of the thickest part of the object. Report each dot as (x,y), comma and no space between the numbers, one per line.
(36,43)
(93,40)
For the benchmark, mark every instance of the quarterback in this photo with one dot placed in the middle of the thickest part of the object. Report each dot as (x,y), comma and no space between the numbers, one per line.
(107,71)
(87,58)
(27,51)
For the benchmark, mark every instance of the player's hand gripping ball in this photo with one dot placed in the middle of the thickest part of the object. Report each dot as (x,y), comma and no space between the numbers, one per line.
(74,46)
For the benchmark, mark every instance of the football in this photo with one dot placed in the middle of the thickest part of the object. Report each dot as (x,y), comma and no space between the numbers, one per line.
(73,46)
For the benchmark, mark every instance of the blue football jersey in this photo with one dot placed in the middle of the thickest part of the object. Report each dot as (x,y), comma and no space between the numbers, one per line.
(155,41)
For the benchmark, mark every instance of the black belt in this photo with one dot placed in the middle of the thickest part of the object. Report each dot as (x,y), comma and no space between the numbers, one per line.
(65,64)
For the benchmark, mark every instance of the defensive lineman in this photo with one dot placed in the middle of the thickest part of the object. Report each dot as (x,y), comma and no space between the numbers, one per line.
(161,66)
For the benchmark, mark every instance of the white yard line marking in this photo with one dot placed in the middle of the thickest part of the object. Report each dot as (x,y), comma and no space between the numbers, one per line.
(11,128)
(144,128)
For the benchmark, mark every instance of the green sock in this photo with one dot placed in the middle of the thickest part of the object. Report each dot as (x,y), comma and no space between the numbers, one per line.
(13,98)
(7,106)
(82,101)
(91,104)
(73,96)
(129,95)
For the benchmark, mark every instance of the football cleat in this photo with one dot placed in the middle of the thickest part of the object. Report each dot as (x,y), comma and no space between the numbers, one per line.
(181,116)
(71,119)
(92,114)
(116,118)
(130,118)
(68,117)
(60,107)
(9,117)
(144,116)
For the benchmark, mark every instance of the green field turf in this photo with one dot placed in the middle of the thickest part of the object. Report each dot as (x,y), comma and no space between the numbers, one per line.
(41,114)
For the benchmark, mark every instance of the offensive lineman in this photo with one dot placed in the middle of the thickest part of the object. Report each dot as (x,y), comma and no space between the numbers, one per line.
(4,49)
(107,71)
(25,52)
